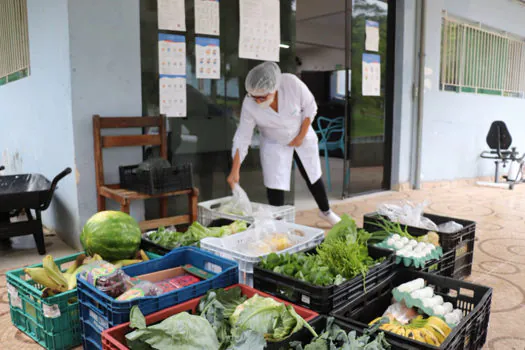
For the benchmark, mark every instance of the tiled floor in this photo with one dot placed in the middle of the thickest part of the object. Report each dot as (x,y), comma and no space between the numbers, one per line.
(499,259)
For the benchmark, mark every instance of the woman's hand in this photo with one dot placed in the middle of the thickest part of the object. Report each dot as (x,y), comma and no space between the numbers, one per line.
(297,141)
(233,178)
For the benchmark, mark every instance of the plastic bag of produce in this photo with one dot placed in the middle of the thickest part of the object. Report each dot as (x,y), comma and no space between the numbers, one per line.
(141,289)
(107,278)
(450,227)
(401,313)
(407,213)
(239,204)
(266,237)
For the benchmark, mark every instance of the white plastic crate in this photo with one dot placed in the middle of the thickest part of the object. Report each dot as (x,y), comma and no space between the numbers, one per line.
(310,238)
(209,211)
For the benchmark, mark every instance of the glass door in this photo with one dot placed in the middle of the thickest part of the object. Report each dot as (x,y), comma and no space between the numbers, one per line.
(369,112)
(321,65)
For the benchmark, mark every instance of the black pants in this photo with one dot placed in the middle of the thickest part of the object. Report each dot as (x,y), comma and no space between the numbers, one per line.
(276,197)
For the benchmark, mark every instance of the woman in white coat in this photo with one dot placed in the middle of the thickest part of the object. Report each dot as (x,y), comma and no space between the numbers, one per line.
(283,109)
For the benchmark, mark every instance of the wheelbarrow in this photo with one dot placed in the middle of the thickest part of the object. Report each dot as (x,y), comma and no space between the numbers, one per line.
(23,193)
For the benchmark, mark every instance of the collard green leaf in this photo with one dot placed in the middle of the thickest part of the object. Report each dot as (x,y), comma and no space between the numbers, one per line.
(181,331)
(248,340)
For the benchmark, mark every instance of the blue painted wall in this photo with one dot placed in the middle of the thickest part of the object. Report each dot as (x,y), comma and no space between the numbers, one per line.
(36,128)
(106,80)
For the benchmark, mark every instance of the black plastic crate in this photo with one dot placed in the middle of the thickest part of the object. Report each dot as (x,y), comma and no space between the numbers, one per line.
(156,181)
(318,298)
(461,242)
(150,246)
(471,333)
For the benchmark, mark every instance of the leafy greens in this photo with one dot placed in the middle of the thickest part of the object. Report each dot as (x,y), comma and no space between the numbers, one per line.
(342,256)
(173,239)
(181,331)
(335,338)
(227,321)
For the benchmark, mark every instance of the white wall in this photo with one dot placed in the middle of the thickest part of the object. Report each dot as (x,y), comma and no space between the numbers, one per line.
(106,80)
(36,130)
(456,124)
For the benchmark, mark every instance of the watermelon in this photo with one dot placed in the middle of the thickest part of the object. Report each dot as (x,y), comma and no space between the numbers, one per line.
(113,235)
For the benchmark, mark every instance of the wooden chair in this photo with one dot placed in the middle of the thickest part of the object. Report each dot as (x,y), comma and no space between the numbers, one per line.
(123,196)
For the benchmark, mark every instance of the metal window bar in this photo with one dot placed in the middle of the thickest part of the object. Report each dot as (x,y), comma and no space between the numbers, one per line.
(14,34)
(480,59)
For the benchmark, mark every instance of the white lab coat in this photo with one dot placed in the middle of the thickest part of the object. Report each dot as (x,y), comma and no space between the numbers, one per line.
(295,103)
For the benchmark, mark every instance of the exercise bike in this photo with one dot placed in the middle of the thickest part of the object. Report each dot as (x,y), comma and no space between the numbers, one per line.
(499,142)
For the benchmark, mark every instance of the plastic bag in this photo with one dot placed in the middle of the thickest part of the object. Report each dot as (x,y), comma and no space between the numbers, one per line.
(239,204)
(107,278)
(401,313)
(265,237)
(141,289)
(450,227)
(407,213)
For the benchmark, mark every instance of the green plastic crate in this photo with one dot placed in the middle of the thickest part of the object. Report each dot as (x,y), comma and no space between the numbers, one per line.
(53,322)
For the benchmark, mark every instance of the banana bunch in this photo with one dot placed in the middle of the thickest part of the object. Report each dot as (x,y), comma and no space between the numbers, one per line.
(53,281)
(432,330)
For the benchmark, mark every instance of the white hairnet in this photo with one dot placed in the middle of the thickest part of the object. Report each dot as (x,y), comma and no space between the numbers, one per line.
(263,79)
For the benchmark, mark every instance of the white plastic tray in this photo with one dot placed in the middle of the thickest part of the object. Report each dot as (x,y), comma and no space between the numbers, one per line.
(209,211)
(311,237)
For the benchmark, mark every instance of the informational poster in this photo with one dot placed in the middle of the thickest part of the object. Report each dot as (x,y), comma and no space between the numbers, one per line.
(207,17)
(171,15)
(371,75)
(172,93)
(260,30)
(372,36)
(172,54)
(208,56)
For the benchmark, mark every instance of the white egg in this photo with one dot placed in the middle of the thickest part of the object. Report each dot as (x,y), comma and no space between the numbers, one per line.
(396,237)
(448,307)
(438,310)
(422,245)
(412,243)
(390,242)
(398,245)
(438,299)
(404,240)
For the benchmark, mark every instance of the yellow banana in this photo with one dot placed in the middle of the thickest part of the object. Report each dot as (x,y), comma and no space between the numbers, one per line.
(439,323)
(402,331)
(375,320)
(97,257)
(389,327)
(419,336)
(438,333)
(430,338)
(54,273)
(40,276)
(126,262)
(143,255)
(76,264)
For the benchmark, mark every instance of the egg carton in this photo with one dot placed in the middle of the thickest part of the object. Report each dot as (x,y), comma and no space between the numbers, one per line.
(418,262)
(430,310)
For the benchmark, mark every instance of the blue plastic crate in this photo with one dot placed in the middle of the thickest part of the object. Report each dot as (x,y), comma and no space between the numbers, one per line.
(99,311)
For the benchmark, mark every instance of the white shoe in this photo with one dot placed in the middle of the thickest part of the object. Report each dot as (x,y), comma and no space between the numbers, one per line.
(330,217)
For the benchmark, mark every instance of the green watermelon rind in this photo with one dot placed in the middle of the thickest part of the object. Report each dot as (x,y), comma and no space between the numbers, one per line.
(113,235)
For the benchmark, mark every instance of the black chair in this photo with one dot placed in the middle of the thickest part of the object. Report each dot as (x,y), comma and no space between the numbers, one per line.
(499,141)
